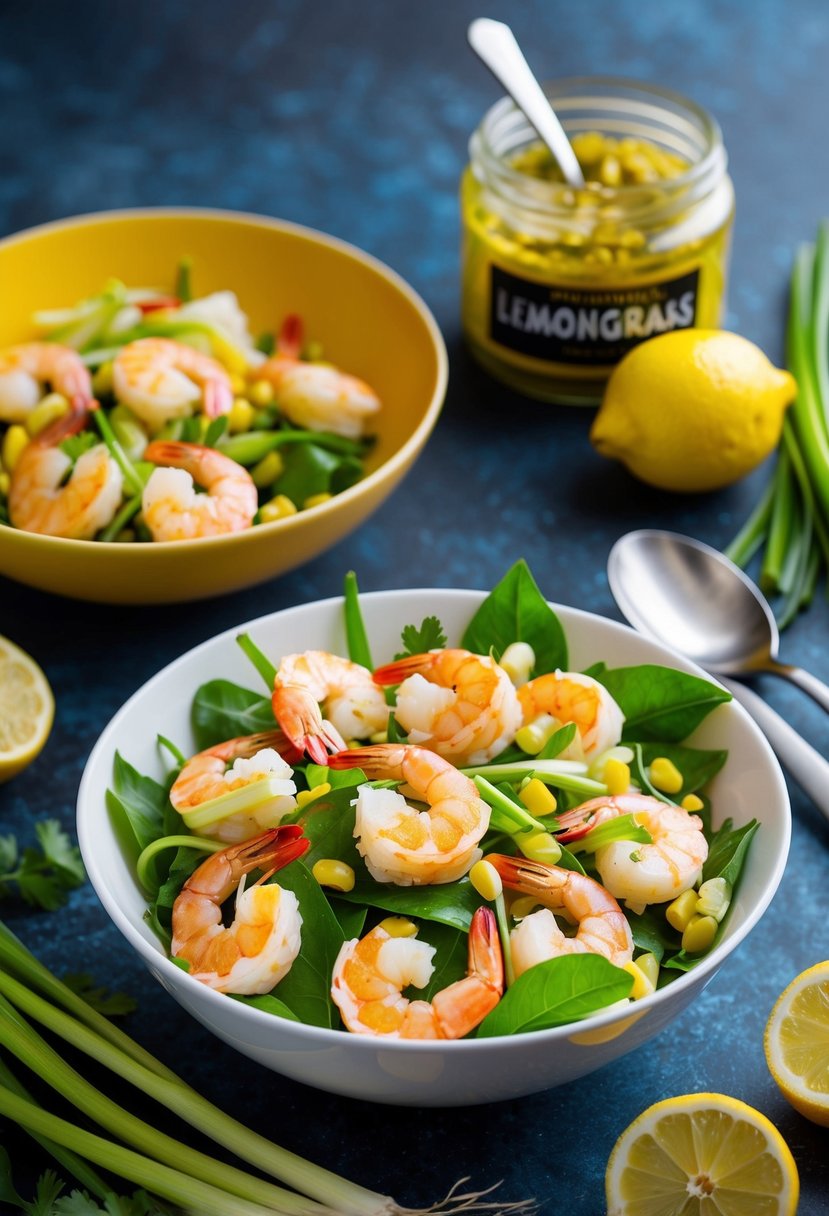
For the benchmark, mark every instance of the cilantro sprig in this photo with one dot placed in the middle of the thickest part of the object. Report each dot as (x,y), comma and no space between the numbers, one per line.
(41,874)
(418,640)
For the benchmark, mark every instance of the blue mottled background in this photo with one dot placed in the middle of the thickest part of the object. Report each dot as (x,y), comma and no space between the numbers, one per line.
(354,118)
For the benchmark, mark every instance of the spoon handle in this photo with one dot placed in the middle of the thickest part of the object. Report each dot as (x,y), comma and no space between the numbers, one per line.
(809,769)
(805,680)
(495,44)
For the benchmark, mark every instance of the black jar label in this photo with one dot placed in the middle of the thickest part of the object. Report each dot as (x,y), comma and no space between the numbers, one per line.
(586,325)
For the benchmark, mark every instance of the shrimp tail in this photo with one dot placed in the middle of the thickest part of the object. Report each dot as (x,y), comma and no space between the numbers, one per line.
(298,714)
(289,342)
(463,1005)
(270,852)
(276,739)
(397,672)
(67,425)
(369,759)
(522,874)
(218,399)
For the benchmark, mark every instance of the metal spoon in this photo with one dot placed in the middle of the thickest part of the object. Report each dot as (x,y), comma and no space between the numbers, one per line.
(689,596)
(699,602)
(495,43)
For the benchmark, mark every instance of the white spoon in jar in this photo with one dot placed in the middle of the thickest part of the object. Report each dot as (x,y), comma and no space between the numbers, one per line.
(494,43)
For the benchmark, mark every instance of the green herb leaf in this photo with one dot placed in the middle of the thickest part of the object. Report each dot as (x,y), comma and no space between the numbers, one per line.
(660,703)
(75,446)
(429,636)
(7,1192)
(727,853)
(222,710)
(516,611)
(556,992)
(138,804)
(42,875)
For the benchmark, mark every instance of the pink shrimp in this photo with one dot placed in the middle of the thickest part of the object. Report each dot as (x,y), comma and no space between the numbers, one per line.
(643,874)
(257,760)
(370,975)
(258,949)
(316,395)
(26,368)
(160,379)
(459,704)
(354,706)
(39,501)
(172,508)
(602,927)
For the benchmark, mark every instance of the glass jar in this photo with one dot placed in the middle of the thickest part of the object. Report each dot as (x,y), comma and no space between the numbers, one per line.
(559,283)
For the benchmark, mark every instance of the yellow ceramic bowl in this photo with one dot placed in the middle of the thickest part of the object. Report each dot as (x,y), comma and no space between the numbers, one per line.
(369,321)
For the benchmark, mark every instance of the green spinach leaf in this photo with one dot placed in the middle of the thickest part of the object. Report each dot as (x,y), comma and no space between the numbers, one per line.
(222,710)
(556,992)
(660,703)
(516,611)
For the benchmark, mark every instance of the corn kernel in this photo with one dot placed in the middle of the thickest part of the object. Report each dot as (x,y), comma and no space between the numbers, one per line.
(642,985)
(532,737)
(306,796)
(679,912)
(523,906)
(14,441)
(52,407)
(260,393)
(486,880)
(102,379)
(617,776)
(540,846)
(237,385)
(240,416)
(699,934)
(278,508)
(379,736)
(664,774)
(691,803)
(537,798)
(267,470)
(518,660)
(316,500)
(335,874)
(399,926)
(714,898)
(5,482)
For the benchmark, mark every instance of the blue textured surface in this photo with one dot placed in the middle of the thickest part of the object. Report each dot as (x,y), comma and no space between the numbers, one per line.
(354,118)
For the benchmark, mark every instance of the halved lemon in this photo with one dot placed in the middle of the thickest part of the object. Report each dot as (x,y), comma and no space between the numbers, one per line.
(797,1043)
(27,708)
(701,1155)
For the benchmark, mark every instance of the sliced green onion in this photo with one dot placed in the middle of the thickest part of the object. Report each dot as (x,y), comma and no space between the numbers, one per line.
(119,455)
(624,827)
(201,844)
(564,774)
(245,800)
(260,660)
(359,650)
(507,815)
(129,510)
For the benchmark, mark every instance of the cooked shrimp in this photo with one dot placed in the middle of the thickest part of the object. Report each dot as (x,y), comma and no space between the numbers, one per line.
(459,704)
(172,508)
(370,975)
(160,379)
(315,395)
(401,844)
(40,502)
(257,950)
(569,696)
(601,924)
(642,874)
(255,759)
(25,369)
(353,705)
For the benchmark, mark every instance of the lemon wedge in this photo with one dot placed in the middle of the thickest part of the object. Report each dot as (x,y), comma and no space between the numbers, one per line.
(797,1043)
(27,708)
(700,1154)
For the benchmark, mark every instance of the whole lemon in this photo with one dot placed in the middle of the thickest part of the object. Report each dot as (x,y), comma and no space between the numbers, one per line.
(695,409)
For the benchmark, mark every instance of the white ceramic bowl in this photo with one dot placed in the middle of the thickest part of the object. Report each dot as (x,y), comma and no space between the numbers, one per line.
(411,1073)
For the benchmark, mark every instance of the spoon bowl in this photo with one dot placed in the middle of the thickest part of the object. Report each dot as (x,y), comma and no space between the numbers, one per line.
(693,598)
(685,594)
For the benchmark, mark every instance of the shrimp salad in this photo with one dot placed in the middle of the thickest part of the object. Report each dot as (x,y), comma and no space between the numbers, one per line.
(465,840)
(140,415)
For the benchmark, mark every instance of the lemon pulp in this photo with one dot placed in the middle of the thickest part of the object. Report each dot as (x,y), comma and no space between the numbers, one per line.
(701,1155)
(26,709)
(797,1043)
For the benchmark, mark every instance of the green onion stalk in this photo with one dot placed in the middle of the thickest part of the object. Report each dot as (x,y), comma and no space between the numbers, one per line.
(788,530)
(139,1152)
